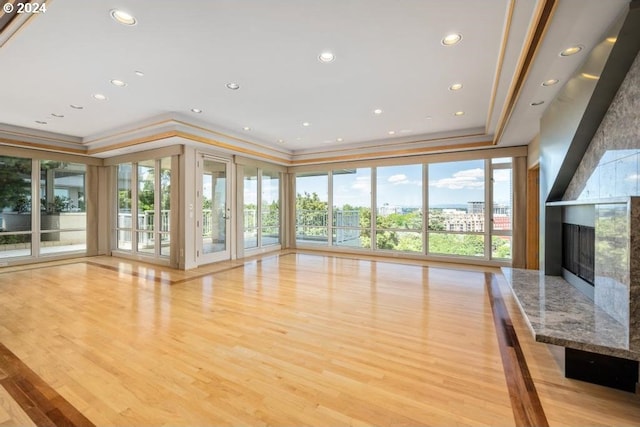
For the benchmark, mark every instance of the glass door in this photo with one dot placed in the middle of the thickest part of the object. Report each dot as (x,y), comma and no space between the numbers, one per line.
(214,219)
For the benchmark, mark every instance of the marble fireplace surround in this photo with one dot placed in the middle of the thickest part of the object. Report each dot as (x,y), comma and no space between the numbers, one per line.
(608,322)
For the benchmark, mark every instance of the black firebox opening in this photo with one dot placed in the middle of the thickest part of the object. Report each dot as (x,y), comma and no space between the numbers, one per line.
(578,249)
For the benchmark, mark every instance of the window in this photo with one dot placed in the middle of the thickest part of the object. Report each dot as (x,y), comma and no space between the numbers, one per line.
(124,225)
(456,219)
(399,208)
(63,216)
(501,215)
(261,214)
(15,204)
(144,188)
(352,207)
(312,202)
(250,213)
(388,203)
(270,208)
(60,204)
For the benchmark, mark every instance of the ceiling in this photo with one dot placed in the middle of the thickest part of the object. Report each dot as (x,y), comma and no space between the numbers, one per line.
(389,55)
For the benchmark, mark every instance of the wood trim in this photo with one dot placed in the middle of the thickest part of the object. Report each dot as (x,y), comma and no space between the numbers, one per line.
(533,218)
(38,400)
(527,409)
(40,146)
(496,78)
(397,153)
(543,18)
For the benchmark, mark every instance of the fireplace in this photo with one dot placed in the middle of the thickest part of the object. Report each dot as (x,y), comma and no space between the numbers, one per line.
(578,251)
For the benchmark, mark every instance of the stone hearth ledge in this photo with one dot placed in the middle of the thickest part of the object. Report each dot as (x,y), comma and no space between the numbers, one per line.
(559,314)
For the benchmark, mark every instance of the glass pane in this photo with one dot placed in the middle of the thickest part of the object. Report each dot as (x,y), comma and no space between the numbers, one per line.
(456,196)
(124,206)
(270,208)
(146,203)
(165,194)
(62,241)
(15,195)
(15,245)
(456,244)
(62,206)
(146,242)
(214,204)
(250,214)
(408,241)
(124,239)
(312,203)
(502,199)
(399,208)
(165,240)
(501,247)
(352,237)
(352,207)
(270,236)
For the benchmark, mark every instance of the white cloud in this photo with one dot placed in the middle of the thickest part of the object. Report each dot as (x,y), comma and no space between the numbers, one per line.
(398,179)
(634,177)
(469,179)
(362,183)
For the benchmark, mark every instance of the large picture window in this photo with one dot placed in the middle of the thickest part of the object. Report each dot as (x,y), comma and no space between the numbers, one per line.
(468,207)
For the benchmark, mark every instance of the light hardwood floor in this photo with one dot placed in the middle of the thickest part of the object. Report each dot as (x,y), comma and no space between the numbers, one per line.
(294,339)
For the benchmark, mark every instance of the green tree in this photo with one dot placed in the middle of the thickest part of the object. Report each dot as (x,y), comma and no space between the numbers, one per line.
(15,183)
(311,215)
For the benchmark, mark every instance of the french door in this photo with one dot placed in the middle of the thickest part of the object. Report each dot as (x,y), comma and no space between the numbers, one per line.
(214,210)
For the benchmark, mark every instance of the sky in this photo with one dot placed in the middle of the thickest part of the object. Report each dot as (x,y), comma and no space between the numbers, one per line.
(451,183)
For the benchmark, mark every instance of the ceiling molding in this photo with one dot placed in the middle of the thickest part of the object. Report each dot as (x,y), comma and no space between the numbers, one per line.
(543,14)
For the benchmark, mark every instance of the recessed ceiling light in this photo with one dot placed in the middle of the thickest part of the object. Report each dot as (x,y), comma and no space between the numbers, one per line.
(138,73)
(326,56)
(76,107)
(451,39)
(246,128)
(57,115)
(99,97)
(550,82)
(428,117)
(233,86)
(612,39)
(196,110)
(118,83)
(392,132)
(537,103)
(590,76)
(281,141)
(122,17)
(339,139)
(377,111)
(459,113)
(306,124)
(41,122)
(455,86)
(571,51)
